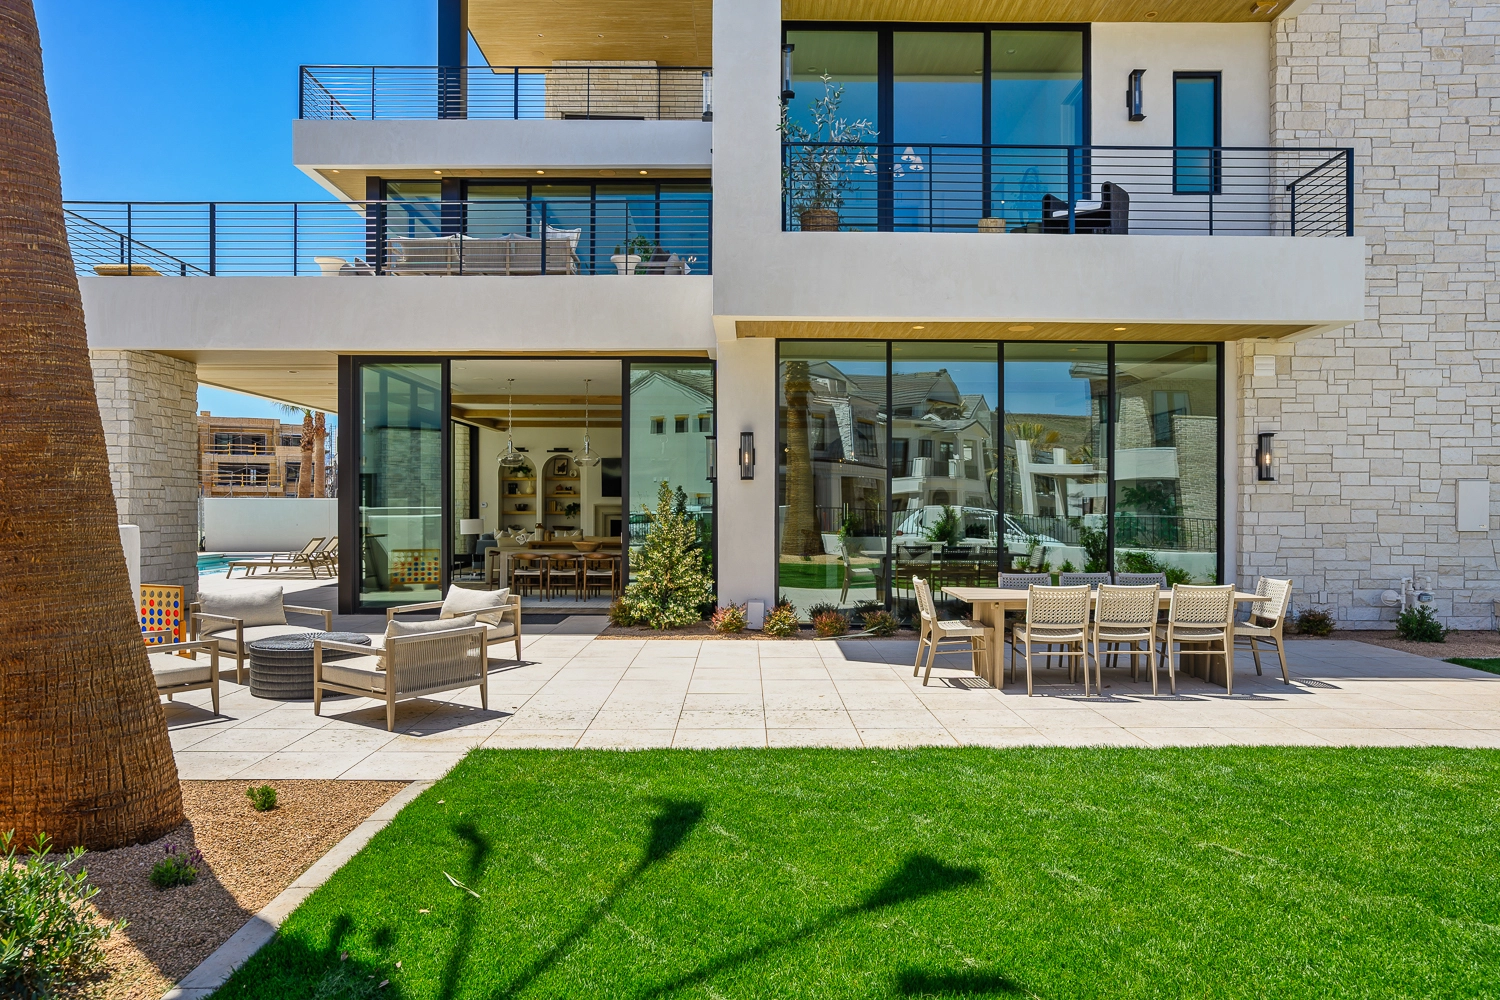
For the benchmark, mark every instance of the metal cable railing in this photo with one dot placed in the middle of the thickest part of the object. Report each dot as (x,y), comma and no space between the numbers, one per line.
(666,233)
(592,91)
(1138,190)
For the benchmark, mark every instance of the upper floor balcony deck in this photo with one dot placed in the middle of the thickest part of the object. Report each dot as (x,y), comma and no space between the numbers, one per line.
(564,90)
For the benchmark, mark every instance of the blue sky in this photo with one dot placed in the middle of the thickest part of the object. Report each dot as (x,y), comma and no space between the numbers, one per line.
(193,100)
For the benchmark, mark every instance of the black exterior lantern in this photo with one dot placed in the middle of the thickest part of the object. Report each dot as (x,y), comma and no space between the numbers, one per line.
(787,93)
(747,455)
(713,457)
(1265,469)
(1135,102)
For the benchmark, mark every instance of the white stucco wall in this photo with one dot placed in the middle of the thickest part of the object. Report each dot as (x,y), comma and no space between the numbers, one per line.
(266,524)
(747,507)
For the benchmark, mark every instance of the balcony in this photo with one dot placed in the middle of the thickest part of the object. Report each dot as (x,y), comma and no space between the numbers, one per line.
(662,231)
(1114,190)
(613,91)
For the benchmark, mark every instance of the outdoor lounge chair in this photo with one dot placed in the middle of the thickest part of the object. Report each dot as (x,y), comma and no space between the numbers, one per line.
(1110,215)
(235,617)
(310,556)
(177,674)
(497,610)
(408,666)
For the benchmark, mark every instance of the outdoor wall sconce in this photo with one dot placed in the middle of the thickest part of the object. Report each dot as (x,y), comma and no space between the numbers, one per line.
(787,93)
(1265,470)
(747,455)
(708,95)
(1135,102)
(713,457)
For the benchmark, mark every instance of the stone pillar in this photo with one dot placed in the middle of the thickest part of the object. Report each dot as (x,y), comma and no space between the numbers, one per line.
(148,403)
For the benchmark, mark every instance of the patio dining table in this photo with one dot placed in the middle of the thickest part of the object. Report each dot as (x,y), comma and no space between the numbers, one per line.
(991,603)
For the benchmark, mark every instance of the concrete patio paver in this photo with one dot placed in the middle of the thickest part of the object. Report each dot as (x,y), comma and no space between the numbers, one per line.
(574,690)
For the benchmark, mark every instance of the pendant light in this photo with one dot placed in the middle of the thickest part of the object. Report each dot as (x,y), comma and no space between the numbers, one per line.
(510,458)
(587,458)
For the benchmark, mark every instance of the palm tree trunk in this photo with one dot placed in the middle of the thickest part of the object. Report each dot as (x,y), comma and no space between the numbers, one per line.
(84,754)
(304,474)
(800,536)
(320,438)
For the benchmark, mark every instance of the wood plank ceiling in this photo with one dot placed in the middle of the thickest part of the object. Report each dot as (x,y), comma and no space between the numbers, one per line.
(534,33)
(980,11)
(1013,330)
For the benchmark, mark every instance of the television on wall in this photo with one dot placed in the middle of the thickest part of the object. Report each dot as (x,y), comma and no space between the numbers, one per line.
(609,475)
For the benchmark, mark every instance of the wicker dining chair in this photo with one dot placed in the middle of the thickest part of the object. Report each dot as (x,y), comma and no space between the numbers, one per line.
(1267,618)
(1124,616)
(1056,616)
(1202,616)
(528,570)
(1075,579)
(1018,581)
(565,570)
(601,573)
(932,633)
(1141,579)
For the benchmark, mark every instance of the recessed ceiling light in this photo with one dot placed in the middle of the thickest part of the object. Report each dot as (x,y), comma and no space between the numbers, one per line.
(333,171)
(643,171)
(1022,328)
(919,327)
(291,371)
(437,171)
(1119,329)
(1150,13)
(541,171)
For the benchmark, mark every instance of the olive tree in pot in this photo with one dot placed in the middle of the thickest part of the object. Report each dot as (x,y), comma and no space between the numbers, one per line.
(819,162)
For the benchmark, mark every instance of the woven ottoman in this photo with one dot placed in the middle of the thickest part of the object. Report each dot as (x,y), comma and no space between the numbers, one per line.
(281,667)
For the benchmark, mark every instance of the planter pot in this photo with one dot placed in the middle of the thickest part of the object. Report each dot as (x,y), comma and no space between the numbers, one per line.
(624,264)
(819,220)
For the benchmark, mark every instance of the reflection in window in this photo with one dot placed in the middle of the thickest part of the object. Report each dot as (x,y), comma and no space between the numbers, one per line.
(658,425)
(679,459)
(1036,100)
(1167,460)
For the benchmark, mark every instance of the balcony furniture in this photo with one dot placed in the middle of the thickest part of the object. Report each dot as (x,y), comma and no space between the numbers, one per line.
(567,571)
(328,558)
(1093,580)
(932,633)
(497,610)
(855,575)
(175,673)
(991,604)
(126,271)
(504,255)
(528,569)
(599,572)
(408,666)
(663,262)
(1267,618)
(1056,616)
(281,666)
(1021,582)
(1158,580)
(1109,215)
(330,266)
(311,556)
(1124,616)
(234,617)
(1200,618)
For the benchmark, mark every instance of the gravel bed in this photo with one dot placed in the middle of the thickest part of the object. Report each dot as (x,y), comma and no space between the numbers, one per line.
(249,858)
(1471,645)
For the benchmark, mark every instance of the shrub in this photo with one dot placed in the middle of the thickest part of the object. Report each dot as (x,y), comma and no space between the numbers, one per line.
(821,608)
(179,867)
(729,619)
(619,614)
(1315,621)
(1145,562)
(49,939)
(262,797)
(830,623)
(671,580)
(781,622)
(882,623)
(948,528)
(1067,567)
(1095,545)
(1421,625)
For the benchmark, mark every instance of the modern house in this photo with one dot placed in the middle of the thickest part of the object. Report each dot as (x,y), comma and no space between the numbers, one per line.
(1204,285)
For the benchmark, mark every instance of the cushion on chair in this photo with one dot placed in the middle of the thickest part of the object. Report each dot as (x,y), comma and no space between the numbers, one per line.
(258,604)
(393,628)
(254,632)
(366,673)
(502,631)
(460,601)
(171,670)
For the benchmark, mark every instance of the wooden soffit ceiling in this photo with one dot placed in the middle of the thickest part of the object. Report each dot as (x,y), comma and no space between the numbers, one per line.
(981,11)
(537,32)
(1198,333)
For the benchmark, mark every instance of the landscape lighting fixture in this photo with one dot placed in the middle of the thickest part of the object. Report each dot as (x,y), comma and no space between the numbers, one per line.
(587,458)
(510,458)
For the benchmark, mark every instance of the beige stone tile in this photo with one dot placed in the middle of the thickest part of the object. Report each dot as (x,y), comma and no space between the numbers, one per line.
(819,736)
(625,739)
(1182,736)
(719,737)
(1310,718)
(636,718)
(724,682)
(914,736)
(978,717)
(808,719)
(741,701)
(387,765)
(1090,736)
(339,739)
(200,765)
(541,721)
(1477,738)
(261,741)
(305,764)
(507,738)
(783,648)
(920,718)
(809,698)
(184,737)
(1010,736)
(1361,737)
(722,719)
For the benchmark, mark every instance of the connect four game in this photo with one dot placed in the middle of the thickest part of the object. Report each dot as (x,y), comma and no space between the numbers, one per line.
(162,608)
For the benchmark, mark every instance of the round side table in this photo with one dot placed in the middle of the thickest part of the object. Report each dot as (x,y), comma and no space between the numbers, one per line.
(281,667)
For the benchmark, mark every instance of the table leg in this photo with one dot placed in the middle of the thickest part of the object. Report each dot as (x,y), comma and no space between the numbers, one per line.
(991,615)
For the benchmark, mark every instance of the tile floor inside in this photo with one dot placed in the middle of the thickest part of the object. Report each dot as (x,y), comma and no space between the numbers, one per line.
(574,690)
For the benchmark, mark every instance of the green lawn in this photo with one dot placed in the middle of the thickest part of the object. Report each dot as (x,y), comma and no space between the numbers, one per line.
(1489,666)
(1220,872)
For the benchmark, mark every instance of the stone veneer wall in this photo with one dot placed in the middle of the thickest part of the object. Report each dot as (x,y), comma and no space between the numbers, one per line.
(1376,423)
(149,404)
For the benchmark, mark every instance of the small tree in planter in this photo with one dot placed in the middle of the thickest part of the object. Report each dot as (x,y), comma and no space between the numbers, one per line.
(672,581)
(816,176)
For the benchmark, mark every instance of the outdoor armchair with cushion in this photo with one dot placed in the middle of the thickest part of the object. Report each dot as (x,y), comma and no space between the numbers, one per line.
(235,617)
(497,610)
(1109,215)
(407,667)
(176,674)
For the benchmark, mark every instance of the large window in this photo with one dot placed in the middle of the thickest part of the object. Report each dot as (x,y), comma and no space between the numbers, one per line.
(679,458)
(982,474)
(1195,123)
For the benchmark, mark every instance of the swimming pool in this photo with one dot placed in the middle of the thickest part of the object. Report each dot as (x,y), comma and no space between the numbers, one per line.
(214,563)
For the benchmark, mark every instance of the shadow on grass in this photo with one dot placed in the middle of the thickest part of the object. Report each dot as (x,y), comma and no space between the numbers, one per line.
(479,852)
(674,820)
(965,983)
(919,876)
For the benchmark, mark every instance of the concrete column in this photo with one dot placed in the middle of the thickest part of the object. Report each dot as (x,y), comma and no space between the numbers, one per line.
(747,507)
(148,403)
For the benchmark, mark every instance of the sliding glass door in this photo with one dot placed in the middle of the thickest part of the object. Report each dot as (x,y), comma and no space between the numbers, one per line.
(671,437)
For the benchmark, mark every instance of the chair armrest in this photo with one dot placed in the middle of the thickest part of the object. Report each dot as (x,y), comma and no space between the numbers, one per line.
(346,647)
(324,612)
(207,645)
(201,616)
(404,608)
